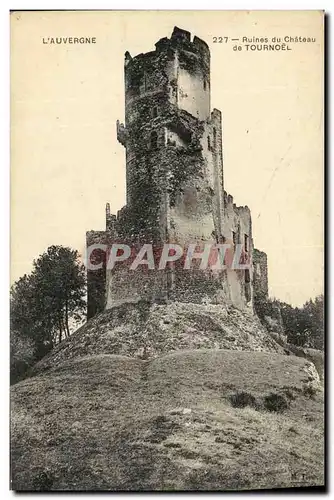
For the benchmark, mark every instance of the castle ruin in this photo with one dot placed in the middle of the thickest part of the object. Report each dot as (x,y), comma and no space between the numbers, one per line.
(174,186)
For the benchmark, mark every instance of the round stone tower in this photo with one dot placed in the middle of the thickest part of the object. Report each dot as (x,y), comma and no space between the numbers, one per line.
(167,103)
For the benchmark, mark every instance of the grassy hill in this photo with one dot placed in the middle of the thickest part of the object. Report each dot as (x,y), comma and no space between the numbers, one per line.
(192,419)
(146,331)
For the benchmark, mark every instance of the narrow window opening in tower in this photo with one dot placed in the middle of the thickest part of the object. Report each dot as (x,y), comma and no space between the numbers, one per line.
(247,276)
(209,143)
(214,137)
(154,140)
(204,84)
(246,244)
(154,111)
(234,237)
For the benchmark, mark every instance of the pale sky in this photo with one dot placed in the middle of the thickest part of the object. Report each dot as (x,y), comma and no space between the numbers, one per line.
(66,162)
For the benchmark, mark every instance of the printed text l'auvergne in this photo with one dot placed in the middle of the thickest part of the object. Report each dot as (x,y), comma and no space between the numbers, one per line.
(60,40)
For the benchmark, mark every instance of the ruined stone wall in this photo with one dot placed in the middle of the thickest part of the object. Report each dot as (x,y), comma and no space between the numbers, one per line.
(237,229)
(124,284)
(193,79)
(96,279)
(260,270)
(212,152)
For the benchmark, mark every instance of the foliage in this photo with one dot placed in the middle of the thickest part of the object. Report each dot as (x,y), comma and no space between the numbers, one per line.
(60,280)
(242,399)
(276,402)
(45,302)
(43,481)
(303,326)
(22,355)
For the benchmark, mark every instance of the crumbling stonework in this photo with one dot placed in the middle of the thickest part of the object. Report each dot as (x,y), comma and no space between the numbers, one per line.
(174,183)
(260,273)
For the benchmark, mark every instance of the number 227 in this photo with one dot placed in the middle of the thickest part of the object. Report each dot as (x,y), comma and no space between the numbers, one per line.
(220,39)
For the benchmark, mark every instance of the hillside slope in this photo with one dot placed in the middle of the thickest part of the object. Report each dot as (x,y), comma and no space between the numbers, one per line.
(146,331)
(189,420)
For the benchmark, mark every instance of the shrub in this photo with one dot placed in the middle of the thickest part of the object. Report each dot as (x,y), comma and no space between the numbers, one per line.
(43,481)
(22,356)
(276,402)
(309,391)
(289,394)
(242,399)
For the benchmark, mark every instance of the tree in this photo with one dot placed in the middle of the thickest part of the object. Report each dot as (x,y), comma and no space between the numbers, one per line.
(22,355)
(303,326)
(28,319)
(314,309)
(45,302)
(61,282)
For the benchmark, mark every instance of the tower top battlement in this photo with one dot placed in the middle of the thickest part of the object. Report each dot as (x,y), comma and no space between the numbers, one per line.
(177,71)
(181,40)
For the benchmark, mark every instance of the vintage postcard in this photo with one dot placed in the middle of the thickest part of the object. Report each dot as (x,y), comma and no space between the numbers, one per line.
(167,230)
